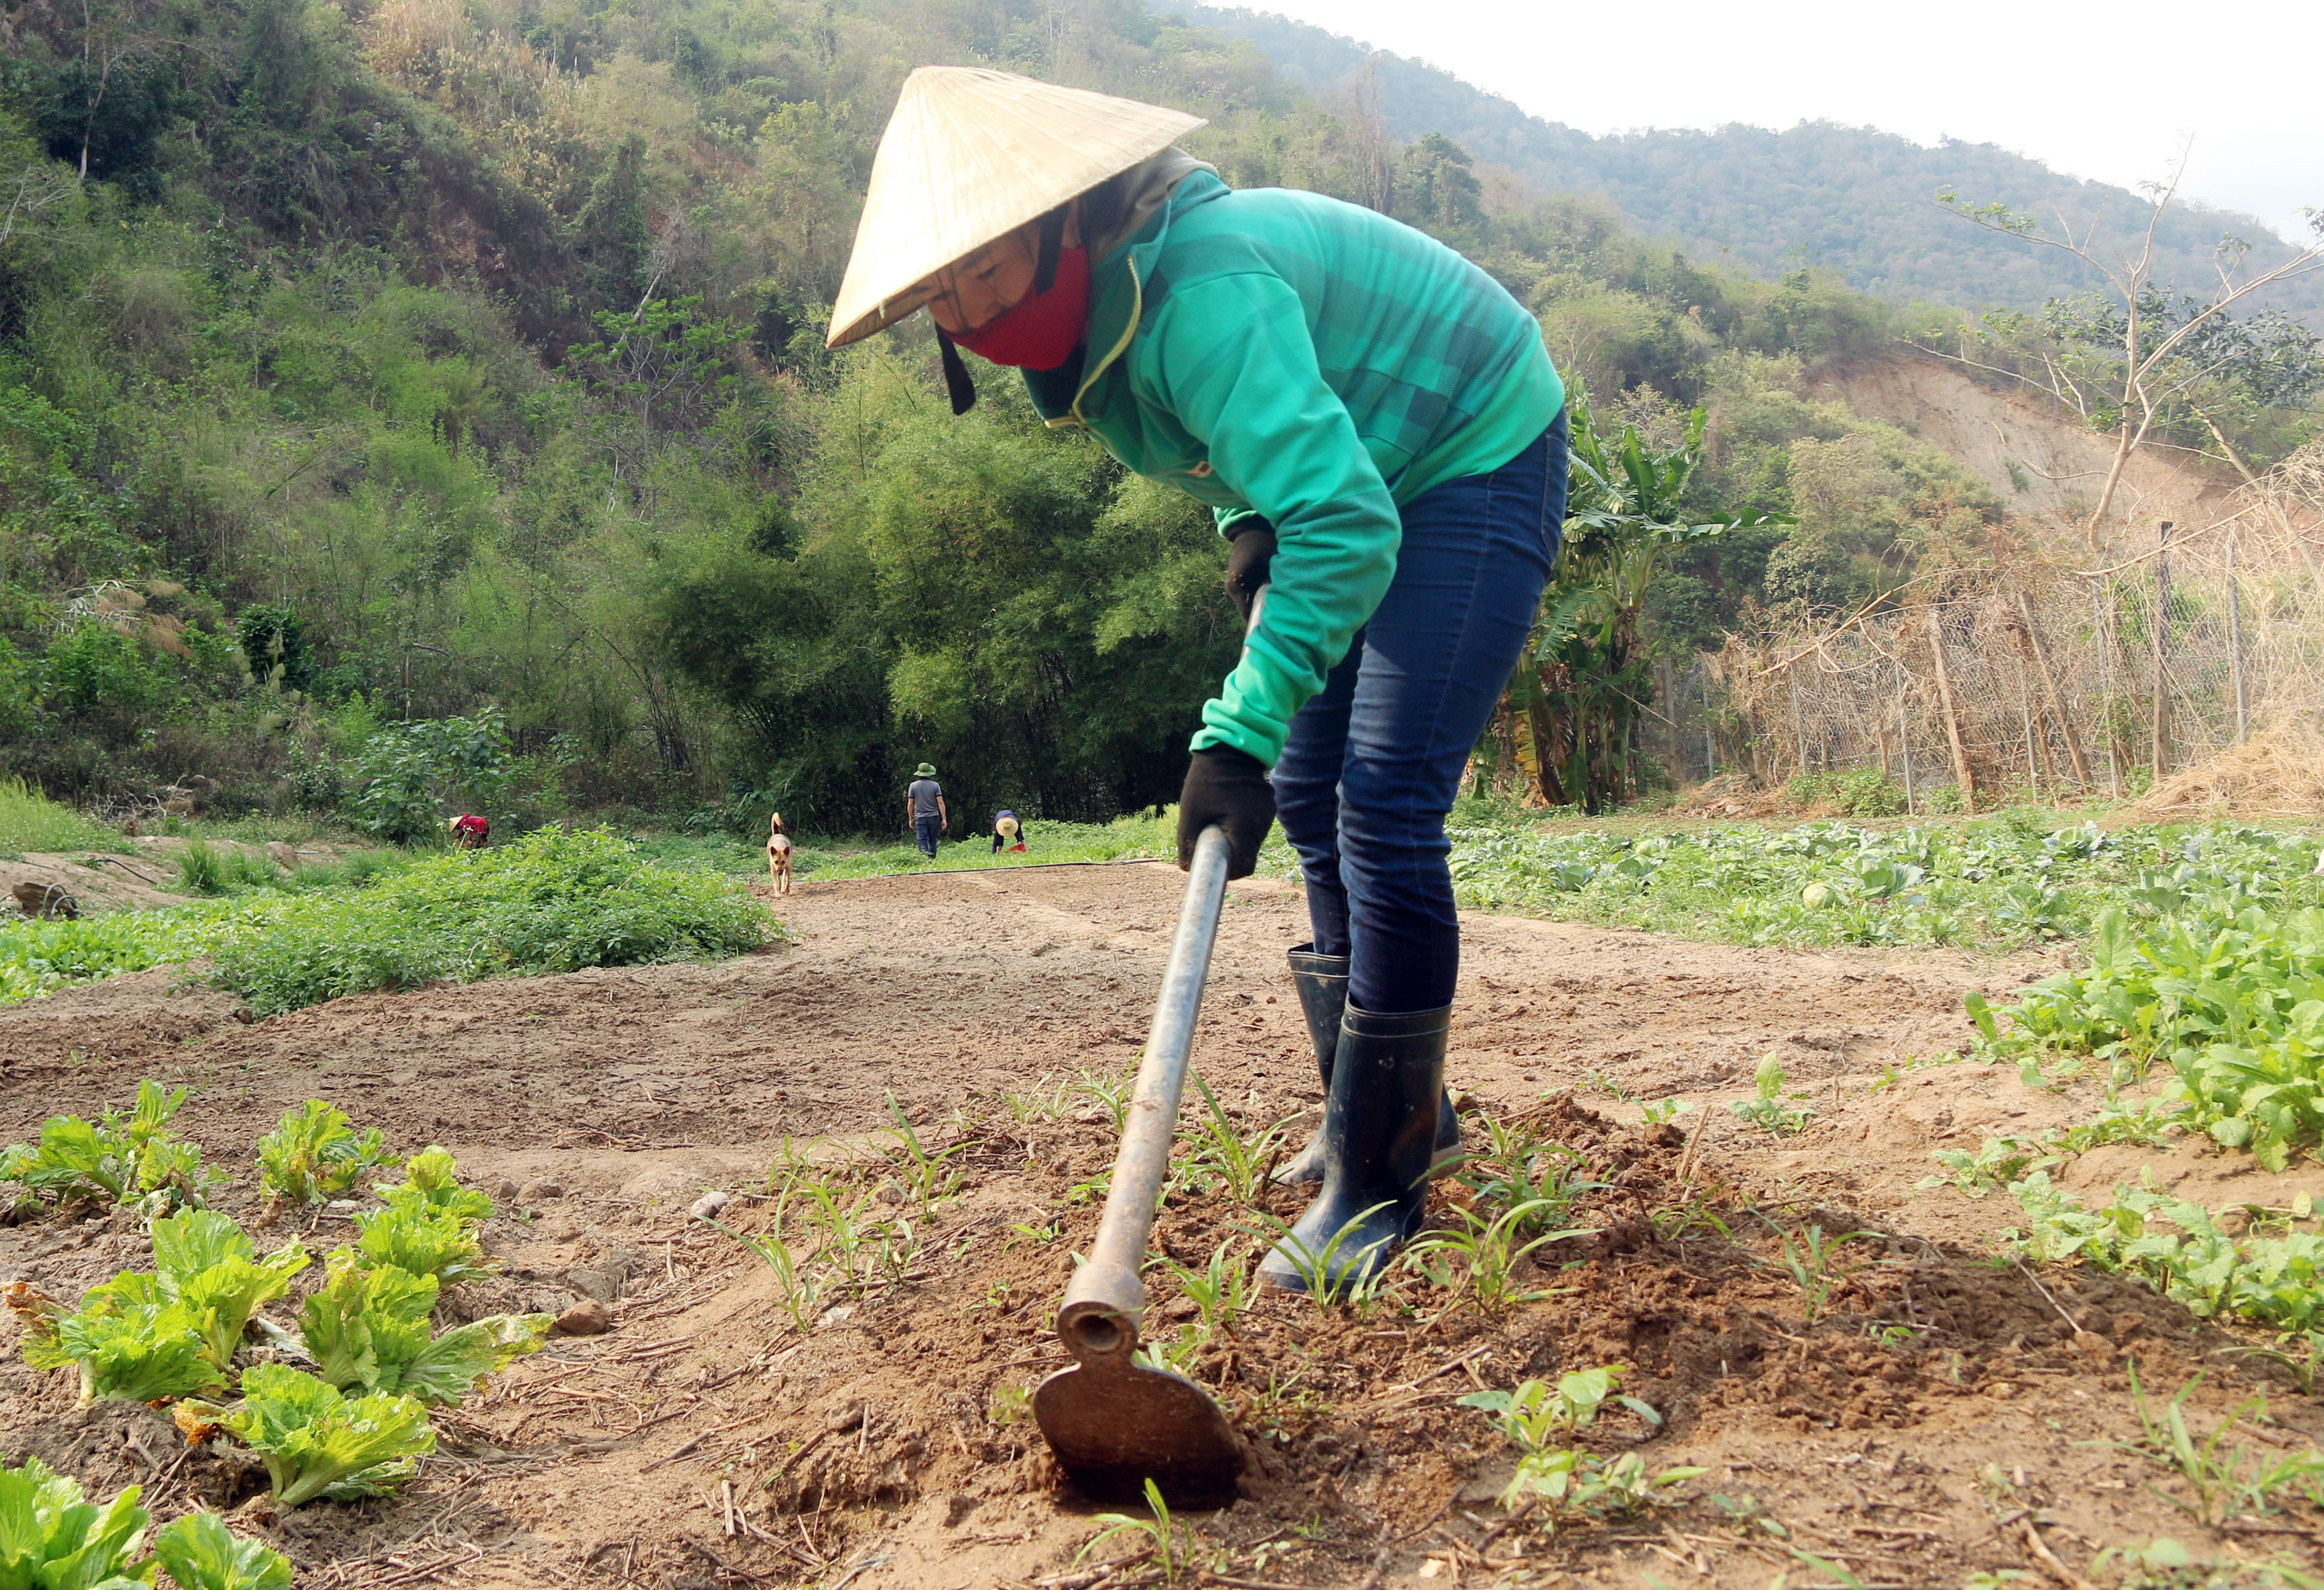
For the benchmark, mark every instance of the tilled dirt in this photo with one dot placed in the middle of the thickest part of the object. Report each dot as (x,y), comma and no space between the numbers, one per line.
(1913,1414)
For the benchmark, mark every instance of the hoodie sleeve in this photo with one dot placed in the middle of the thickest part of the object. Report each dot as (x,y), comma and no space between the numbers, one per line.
(1232,358)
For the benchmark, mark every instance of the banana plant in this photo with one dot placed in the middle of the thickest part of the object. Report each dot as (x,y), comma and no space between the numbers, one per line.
(1587,684)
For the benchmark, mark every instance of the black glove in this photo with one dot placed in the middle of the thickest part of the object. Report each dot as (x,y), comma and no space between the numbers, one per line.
(1229,788)
(1252,551)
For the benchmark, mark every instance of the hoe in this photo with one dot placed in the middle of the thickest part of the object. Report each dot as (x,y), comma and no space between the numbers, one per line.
(1113,1423)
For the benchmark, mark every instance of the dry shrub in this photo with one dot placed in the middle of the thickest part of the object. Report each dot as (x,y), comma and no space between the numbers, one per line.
(2277,772)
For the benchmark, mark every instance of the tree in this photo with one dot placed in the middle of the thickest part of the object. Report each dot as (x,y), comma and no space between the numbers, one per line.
(1586,685)
(2163,347)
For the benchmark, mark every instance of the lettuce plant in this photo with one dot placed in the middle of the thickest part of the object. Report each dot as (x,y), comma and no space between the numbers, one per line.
(199,1552)
(118,1158)
(314,1153)
(316,1442)
(412,1237)
(368,1330)
(204,1261)
(127,1340)
(52,1538)
(431,1181)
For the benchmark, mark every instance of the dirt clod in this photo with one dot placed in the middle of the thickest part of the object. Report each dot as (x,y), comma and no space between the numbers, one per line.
(588,1317)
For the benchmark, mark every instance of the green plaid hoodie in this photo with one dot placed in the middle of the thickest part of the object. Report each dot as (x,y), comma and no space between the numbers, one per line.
(1283,354)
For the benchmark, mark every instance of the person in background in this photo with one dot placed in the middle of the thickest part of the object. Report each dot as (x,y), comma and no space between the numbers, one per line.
(924,806)
(469,831)
(1008,833)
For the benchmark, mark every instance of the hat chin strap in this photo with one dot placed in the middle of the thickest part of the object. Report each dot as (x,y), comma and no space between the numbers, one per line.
(958,387)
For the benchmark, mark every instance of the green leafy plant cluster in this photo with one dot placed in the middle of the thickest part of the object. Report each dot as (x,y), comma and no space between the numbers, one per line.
(2228,993)
(314,1153)
(552,901)
(355,1427)
(2016,878)
(2270,1271)
(120,1157)
(53,1537)
(40,957)
(1563,1482)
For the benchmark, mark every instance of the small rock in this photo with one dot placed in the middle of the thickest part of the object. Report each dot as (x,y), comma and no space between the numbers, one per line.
(588,1317)
(958,1506)
(708,1206)
(845,1418)
(506,1192)
(593,1283)
(541,1192)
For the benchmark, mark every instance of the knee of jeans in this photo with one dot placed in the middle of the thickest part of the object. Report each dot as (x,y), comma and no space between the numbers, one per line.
(1307,810)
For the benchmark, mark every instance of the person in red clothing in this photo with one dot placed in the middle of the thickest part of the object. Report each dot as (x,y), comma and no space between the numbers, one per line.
(469,831)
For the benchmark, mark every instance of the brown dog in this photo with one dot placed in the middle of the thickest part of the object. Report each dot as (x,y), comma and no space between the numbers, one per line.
(779,854)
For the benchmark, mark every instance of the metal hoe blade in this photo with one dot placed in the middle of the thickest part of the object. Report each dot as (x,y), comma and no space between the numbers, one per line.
(1113,1424)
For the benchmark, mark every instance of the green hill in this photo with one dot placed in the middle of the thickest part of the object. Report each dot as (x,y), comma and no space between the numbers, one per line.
(1853,199)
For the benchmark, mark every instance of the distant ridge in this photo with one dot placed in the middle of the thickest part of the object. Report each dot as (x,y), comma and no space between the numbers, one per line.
(1852,200)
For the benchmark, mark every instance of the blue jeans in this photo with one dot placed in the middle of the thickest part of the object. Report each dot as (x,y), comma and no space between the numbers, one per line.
(925,829)
(1372,764)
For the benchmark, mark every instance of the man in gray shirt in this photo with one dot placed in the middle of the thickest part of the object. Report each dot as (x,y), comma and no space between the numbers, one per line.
(924,802)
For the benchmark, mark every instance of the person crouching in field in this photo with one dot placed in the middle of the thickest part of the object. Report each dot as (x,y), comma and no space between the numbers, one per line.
(925,809)
(1008,833)
(1382,437)
(778,854)
(470,832)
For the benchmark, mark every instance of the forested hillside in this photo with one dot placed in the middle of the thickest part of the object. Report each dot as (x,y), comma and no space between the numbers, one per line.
(1852,199)
(368,363)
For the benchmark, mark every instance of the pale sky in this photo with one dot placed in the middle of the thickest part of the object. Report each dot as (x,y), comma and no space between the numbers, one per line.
(2100,91)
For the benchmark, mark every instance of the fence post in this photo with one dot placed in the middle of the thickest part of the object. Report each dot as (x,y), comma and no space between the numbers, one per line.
(1904,726)
(1799,725)
(1962,775)
(2106,687)
(2235,644)
(2057,696)
(2159,629)
(1709,744)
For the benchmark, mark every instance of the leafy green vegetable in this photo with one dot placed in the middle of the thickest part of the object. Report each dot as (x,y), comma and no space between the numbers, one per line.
(206,1262)
(127,1339)
(368,1328)
(117,1158)
(200,1553)
(318,1443)
(314,1153)
(52,1538)
(430,1181)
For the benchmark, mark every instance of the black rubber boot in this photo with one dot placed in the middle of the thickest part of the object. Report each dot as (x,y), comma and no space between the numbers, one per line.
(1379,1139)
(1323,984)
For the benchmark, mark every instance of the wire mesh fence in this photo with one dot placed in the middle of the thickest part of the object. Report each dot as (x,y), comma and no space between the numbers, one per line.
(2037,679)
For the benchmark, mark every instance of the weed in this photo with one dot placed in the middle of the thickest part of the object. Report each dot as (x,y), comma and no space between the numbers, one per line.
(30,820)
(1221,1291)
(1036,1235)
(1662,1111)
(1770,1110)
(1111,1091)
(2225,1480)
(1569,1482)
(1519,1167)
(1223,1154)
(1813,1266)
(925,1176)
(1161,1535)
(1490,1253)
(797,1288)
(1010,1405)
(1998,1162)
(1329,1279)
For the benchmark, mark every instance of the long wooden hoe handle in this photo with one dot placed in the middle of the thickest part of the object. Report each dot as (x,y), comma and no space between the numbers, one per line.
(1098,1318)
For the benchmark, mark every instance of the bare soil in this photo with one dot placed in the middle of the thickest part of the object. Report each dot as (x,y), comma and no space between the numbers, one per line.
(1942,1414)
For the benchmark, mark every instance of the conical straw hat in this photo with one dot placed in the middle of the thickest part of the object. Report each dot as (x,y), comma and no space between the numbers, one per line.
(969,156)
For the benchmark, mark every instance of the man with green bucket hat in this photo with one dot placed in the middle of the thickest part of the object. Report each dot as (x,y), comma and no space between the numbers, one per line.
(923,804)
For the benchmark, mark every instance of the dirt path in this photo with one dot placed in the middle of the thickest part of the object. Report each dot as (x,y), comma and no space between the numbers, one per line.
(1911,1432)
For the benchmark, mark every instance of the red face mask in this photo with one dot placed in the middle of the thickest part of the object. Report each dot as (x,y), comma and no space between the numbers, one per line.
(1042,330)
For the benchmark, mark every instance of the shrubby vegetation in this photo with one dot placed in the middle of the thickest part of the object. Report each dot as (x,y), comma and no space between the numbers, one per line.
(554,899)
(360,373)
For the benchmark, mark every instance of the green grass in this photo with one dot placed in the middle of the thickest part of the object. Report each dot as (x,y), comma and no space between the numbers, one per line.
(30,820)
(1127,839)
(553,901)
